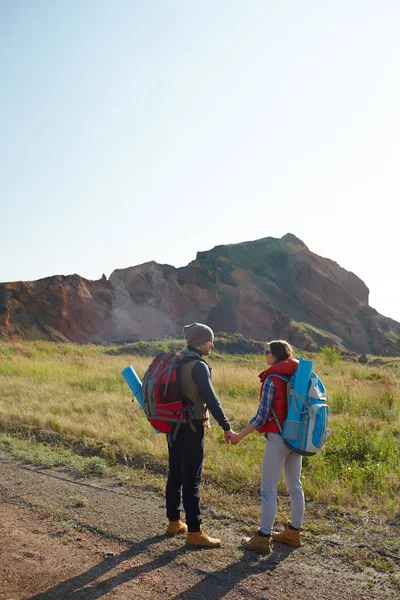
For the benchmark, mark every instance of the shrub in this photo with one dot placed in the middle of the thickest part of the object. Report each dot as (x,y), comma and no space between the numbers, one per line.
(331,355)
(340,401)
(95,466)
(79,501)
(388,398)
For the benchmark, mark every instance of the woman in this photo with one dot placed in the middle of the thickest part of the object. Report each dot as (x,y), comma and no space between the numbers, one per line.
(277,457)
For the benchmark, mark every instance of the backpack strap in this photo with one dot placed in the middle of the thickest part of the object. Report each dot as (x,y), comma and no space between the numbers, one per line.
(169,371)
(192,356)
(292,391)
(279,377)
(301,412)
(272,411)
(186,415)
(185,358)
(171,436)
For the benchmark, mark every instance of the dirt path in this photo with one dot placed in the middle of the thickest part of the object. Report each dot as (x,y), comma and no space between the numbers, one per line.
(90,539)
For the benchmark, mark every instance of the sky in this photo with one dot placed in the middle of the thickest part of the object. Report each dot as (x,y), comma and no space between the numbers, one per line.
(140,130)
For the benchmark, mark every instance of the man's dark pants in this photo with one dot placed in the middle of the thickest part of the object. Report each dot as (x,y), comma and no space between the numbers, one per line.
(186,455)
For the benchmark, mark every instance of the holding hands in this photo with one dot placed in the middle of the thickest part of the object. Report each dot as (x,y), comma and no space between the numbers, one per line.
(228,434)
(231,437)
(235,438)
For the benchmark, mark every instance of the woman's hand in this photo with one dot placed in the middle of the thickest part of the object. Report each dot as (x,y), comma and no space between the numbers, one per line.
(235,439)
(228,434)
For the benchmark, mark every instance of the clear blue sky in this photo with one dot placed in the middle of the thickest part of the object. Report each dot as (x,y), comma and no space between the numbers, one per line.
(137,130)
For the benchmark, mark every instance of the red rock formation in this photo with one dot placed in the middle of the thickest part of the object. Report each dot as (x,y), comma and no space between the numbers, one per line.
(264,289)
(55,308)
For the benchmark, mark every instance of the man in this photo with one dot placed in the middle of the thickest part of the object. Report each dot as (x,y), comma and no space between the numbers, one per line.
(186,451)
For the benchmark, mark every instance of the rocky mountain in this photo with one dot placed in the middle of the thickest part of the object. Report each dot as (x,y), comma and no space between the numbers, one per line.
(263,289)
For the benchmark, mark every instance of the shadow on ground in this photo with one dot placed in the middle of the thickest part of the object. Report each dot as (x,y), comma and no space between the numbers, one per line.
(213,585)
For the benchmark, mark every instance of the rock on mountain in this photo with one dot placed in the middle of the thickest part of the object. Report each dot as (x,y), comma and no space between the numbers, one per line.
(263,289)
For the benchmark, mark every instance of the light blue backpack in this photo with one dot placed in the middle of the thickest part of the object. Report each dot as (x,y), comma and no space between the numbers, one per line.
(306,426)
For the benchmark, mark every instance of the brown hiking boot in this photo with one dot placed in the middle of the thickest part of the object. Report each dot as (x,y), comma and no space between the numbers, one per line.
(258,543)
(199,539)
(288,536)
(176,527)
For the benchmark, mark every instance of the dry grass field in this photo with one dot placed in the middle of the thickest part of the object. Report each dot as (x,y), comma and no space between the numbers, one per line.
(65,404)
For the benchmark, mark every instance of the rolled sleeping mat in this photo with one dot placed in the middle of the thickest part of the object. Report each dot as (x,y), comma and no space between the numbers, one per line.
(135,385)
(302,378)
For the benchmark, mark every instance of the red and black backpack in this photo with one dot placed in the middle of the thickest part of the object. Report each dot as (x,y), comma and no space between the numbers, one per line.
(164,405)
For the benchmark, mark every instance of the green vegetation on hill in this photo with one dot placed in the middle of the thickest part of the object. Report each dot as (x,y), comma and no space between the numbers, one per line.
(261,257)
(73,398)
(224,344)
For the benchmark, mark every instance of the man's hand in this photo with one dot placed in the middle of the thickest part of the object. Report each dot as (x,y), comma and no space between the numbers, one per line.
(228,434)
(234,439)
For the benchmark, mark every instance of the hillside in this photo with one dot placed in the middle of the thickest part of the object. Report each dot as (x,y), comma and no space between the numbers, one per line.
(262,289)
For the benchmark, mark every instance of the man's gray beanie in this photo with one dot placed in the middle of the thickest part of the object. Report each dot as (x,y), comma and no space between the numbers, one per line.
(197,334)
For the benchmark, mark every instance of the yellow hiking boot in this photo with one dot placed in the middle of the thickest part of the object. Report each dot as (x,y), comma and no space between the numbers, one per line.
(288,536)
(176,527)
(199,539)
(258,543)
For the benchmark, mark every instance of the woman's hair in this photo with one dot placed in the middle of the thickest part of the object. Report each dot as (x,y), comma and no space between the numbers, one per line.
(280,349)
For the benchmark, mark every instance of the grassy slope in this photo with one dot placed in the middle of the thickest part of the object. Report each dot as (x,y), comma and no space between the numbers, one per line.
(74,396)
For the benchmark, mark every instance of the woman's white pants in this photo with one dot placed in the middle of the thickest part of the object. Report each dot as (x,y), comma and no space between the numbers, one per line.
(278,458)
